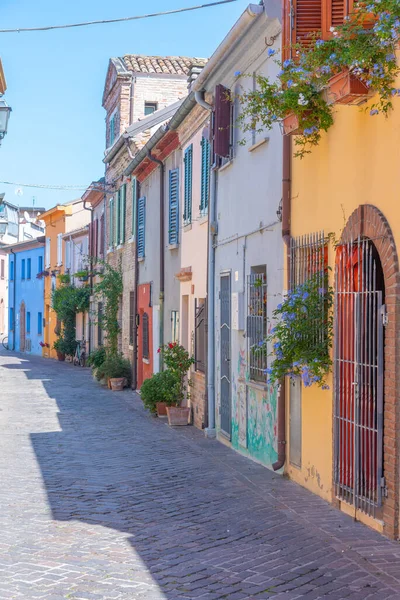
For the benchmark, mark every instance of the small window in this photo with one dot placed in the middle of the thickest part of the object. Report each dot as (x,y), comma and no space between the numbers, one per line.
(113,127)
(131,317)
(29,268)
(28,322)
(23,269)
(150,107)
(40,264)
(39,323)
(12,270)
(2,268)
(11,319)
(145,334)
(174,326)
(257,322)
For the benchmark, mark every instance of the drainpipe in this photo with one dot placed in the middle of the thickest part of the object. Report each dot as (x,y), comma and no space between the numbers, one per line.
(162,264)
(14,295)
(286,233)
(135,302)
(90,276)
(212,230)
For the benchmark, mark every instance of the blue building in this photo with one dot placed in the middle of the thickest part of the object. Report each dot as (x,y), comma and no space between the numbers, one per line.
(26,296)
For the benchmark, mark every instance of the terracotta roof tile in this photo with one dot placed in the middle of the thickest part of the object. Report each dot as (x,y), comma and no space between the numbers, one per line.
(173,65)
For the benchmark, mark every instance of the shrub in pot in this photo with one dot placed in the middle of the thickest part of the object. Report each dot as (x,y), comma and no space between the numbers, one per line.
(117,370)
(178,360)
(59,347)
(160,391)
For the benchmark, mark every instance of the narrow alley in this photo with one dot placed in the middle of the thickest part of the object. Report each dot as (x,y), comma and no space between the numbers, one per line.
(101,501)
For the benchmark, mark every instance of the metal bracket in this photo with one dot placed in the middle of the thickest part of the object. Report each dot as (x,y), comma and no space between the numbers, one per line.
(385,318)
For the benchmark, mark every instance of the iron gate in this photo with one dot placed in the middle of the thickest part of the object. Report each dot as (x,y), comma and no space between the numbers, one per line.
(225,305)
(359,376)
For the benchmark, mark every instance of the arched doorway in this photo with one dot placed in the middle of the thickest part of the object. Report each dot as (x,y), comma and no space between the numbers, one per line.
(367,307)
(22,327)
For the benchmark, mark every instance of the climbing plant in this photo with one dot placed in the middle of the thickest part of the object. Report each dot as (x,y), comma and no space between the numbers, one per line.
(68,301)
(109,290)
(364,45)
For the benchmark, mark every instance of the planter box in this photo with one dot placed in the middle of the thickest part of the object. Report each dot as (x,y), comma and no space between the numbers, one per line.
(178,415)
(161,409)
(345,88)
(117,384)
(291,125)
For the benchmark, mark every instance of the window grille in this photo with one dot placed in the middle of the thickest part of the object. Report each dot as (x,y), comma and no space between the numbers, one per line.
(145,331)
(257,324)
(174,326)
(200,335)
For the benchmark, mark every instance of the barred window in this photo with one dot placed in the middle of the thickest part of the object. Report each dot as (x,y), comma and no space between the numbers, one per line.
(145,333)
(257,322)
(174,326)
(308,258)
(200,335)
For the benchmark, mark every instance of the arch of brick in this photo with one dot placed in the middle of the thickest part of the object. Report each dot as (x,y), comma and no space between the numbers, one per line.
(368,221)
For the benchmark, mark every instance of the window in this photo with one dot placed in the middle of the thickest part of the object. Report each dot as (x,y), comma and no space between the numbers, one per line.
(59,249)
(2,269)
(205,175)
(68,254)
(173,219)
(23,269)
(113,128)
(200,335)
(257,322)
(174,326)
(47,255)
(150,107)
(111,232)
(145,334)
(141,239)
(223,123)
(131,317)
(11,319)
(29,268)
(11,270)
(188,160)
(134,206)
(28,322)
(121,210)
(40,264)
(100,324)
(39,323)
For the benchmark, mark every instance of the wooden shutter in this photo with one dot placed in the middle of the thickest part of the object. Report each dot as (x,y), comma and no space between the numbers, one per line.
(118,217)
(131,317)
(205,174)
(111,234)
(222,121)
(96,237)
(102,235)
(134,205)
(173,225)
(90,235)
(188,160)
(123,212)
(302,18)
(145,336)
(141,227)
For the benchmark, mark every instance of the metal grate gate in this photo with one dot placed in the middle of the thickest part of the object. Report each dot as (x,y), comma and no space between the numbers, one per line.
(225,353)
(359,376)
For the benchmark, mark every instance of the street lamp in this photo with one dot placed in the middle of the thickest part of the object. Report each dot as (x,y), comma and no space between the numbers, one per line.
(4,116)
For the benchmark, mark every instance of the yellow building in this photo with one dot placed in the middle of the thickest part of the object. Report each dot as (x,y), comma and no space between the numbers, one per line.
(59,220)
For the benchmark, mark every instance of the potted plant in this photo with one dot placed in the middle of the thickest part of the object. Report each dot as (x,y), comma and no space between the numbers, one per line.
(59,347)
(178,361)
(159,392)
(64,278)
(117,370)
(82,275)
(42,274)
(95,359)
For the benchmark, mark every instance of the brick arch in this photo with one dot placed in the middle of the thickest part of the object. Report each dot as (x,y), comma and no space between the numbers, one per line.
(368,221)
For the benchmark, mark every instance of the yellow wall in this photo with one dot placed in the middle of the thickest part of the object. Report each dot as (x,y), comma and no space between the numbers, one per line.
(355,163)
(55,224)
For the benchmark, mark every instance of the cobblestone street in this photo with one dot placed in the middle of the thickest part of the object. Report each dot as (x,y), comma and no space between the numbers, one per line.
(100,501)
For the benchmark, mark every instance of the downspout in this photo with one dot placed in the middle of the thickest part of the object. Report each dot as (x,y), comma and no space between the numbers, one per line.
(90,276)
(286,234)
(162,263)
(210,430)
(14,295)
(135,302)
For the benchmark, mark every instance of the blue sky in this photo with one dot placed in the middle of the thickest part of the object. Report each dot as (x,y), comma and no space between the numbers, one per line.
(55,81)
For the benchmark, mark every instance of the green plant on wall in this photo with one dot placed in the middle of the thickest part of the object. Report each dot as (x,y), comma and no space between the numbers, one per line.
(108,290)
(369,54)
(68,301)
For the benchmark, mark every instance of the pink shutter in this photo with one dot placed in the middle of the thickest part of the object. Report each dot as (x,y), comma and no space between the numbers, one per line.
(222,121)
(102,235)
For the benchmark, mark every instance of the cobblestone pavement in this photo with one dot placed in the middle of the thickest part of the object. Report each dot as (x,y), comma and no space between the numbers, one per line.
(100,501)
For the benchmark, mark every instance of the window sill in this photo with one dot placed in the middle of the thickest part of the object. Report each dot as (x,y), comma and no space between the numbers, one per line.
(141,259)
(173,246)
(187,227)
(146,361)
(257,385)
(226,165)
(258,144)
(203,218)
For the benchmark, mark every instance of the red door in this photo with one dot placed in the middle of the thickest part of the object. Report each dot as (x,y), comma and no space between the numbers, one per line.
(145,334)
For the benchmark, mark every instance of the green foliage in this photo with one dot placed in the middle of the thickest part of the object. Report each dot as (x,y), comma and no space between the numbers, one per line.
(64,278)
(69,300)
(109,291)
(82,275)
(161,387)
(114,367)
(178,361)
(303,334)
(97,357)
(369,55)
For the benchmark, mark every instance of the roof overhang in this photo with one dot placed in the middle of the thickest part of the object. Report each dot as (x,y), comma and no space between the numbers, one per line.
(27,245)
(56,211)
(95,193)
(163,148)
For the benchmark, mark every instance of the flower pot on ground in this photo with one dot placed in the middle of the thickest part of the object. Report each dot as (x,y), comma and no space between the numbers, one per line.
(178,415)
(60,356)
(160,391)
(161,408)
(346,88)
(116,367)
(117,383)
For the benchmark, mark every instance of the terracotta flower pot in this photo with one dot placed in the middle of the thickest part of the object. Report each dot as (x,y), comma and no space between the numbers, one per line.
(117,384)
(161,409)
(346,88)
(291,124)
(60,356)
(178,415)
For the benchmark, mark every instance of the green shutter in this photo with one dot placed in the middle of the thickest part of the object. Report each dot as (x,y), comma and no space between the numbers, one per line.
(118,218)
(188,160)
(123,212)
(141,227)
(173,220)
(134,206)
(111,222)
(205,175)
